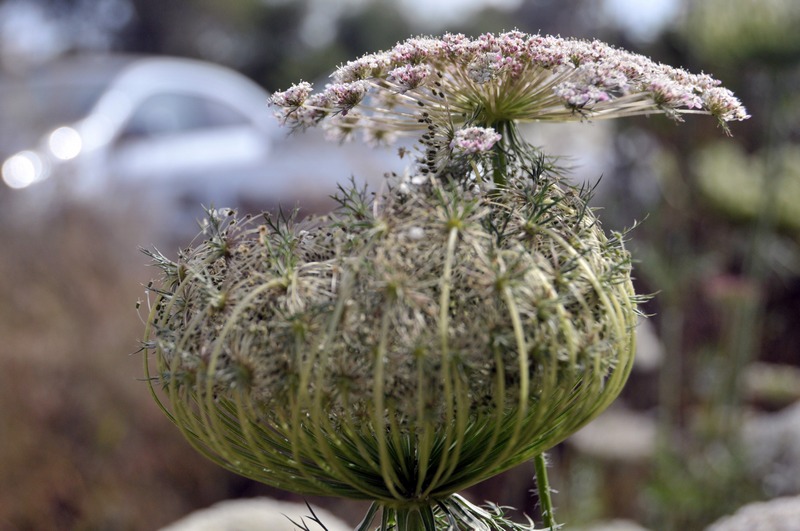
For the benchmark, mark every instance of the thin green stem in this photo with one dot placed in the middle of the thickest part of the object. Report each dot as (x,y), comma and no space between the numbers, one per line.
(444,322)
(543,485)
(500,159)
(387,470)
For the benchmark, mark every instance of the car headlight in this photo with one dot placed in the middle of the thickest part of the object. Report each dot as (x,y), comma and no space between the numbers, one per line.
(23,169)
(65,143)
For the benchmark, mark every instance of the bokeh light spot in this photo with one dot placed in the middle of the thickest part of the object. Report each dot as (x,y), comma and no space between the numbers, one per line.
(65,143)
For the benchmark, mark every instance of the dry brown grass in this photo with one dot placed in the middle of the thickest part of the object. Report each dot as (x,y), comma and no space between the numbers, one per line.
(83,446)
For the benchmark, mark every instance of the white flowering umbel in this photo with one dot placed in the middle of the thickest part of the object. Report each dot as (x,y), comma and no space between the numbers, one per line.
(511,77)
(460,322)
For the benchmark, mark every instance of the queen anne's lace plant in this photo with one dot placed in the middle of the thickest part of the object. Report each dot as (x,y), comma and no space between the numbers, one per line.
(460,322)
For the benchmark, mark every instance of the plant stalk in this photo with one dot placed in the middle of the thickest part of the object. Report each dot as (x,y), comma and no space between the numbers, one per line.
(543,485)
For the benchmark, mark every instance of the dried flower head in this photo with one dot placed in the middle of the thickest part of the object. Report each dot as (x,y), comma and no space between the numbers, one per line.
(397,351)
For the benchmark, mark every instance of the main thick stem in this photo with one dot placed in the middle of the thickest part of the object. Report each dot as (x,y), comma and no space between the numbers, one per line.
(500,152)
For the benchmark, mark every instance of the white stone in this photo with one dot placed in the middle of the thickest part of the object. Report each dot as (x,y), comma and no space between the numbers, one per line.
(781,514)
(256,514)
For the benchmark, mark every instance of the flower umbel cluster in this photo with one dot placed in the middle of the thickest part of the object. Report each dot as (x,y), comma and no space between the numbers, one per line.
(472,140)
(500,78)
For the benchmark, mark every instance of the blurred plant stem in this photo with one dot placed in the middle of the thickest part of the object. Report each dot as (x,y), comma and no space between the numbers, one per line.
(744,319)
(701,470)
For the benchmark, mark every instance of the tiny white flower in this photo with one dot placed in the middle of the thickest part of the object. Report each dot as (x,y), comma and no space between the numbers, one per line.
(416,233)
(472,140)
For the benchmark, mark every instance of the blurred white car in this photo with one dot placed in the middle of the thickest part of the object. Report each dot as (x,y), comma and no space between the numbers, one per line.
(168,133)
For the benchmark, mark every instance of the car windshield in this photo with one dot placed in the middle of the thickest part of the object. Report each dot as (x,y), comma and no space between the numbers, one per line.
(61,93)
